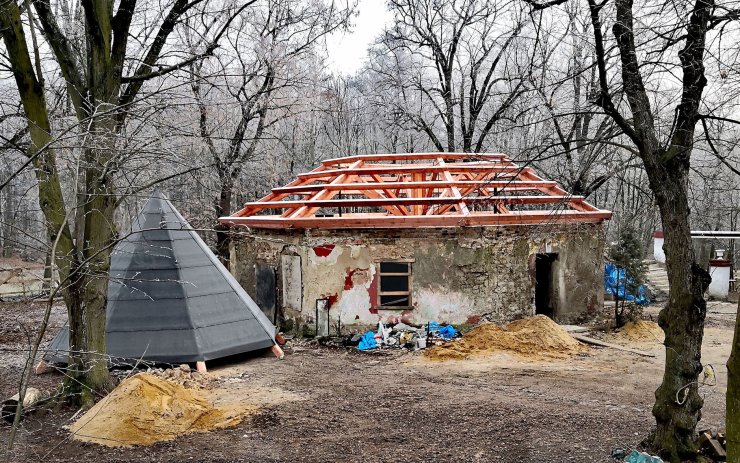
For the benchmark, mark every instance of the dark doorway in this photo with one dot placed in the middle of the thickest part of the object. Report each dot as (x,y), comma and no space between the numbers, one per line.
(265,291)
(543,298)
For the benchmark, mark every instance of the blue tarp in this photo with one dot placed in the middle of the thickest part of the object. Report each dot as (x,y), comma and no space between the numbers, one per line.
(617,281)
(447,332)
(640,457)
(367,341)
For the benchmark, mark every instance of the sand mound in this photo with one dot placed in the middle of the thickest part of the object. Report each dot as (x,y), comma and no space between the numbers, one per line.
(642,330)
(145,409)
(537,336)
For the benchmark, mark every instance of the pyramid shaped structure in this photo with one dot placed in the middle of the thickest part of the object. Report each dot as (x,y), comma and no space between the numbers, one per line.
(170,299)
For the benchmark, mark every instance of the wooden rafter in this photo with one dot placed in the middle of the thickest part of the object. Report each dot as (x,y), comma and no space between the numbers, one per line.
(401,189)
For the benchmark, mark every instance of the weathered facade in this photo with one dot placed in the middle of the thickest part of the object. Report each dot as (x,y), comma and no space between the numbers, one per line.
(457,275)
(447,237)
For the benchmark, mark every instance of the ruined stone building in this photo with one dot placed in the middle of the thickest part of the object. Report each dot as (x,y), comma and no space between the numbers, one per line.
(419,237)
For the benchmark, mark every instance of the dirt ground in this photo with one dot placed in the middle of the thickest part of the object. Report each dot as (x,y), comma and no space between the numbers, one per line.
(397,406)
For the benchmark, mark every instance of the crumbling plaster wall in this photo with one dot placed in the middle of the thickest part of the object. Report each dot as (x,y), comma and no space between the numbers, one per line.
(457,274)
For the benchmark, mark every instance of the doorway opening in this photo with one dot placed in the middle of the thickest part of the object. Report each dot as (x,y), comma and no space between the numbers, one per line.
(544,302)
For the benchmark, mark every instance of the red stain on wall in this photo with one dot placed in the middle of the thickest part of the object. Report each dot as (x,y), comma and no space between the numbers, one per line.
(473,320)
(333,298)
(323,250)
(348,279)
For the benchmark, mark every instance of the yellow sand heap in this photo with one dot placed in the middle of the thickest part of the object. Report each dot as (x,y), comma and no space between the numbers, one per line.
(537,336)
(643,331)
(145,409)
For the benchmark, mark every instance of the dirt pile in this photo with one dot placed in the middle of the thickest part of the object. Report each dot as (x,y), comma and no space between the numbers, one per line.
(537,336)
(145,409)
(642,331)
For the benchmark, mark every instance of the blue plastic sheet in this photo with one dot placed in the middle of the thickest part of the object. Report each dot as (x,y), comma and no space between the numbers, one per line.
(367,341)
(617,283)
(639,457)
(447,332)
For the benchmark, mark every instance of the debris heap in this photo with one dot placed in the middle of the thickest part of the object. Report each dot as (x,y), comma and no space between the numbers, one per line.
(537,336)
(145,409)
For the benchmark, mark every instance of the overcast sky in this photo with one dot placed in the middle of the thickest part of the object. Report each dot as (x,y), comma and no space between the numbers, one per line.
(347,52)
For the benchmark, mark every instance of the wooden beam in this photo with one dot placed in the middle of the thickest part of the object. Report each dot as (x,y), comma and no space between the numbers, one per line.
(453,190)
(415,201)
(276,196)
(511,185)
(395,209)
(465,167)
(306,209)
(435,221)
(414,157)
(466,191)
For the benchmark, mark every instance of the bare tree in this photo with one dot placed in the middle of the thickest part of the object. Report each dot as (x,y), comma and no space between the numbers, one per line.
(458,67)
(665,150)
(104,73)
(255,75)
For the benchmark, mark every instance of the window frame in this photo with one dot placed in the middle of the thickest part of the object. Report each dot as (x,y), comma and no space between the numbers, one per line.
(381,293)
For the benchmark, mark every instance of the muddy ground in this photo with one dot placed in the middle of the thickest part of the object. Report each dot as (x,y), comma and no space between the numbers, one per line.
(399,407)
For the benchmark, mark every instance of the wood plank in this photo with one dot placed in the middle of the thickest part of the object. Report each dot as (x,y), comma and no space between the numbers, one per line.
(597,342)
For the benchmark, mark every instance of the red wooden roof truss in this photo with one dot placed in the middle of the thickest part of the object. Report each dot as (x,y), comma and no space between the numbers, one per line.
(416,190)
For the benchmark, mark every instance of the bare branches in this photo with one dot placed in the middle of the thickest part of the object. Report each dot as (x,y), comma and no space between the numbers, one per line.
(543,6)
(604,99)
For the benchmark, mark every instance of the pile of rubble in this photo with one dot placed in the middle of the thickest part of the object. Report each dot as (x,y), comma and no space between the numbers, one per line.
(402,335)
(185,376)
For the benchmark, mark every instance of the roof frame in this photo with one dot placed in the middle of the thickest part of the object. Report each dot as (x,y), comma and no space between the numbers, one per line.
(417,190)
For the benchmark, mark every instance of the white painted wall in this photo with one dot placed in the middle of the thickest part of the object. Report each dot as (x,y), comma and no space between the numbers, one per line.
(658,253)
(720,285)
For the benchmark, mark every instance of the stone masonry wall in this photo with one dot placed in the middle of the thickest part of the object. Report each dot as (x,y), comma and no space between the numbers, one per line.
(457,274)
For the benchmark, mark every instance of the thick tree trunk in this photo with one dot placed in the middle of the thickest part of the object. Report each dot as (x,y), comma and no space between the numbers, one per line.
(87,295)
(677,408)
(732,404)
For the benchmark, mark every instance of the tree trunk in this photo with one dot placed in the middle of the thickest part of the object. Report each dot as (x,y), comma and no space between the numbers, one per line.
(677,408)
(48,272)
(732,404)
(223,232)
(8,211)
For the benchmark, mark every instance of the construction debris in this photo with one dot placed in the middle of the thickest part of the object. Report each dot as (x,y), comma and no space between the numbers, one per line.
(186,377)
(713,445)
(9,406)
(145,409)
(403,335)
(537,336)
